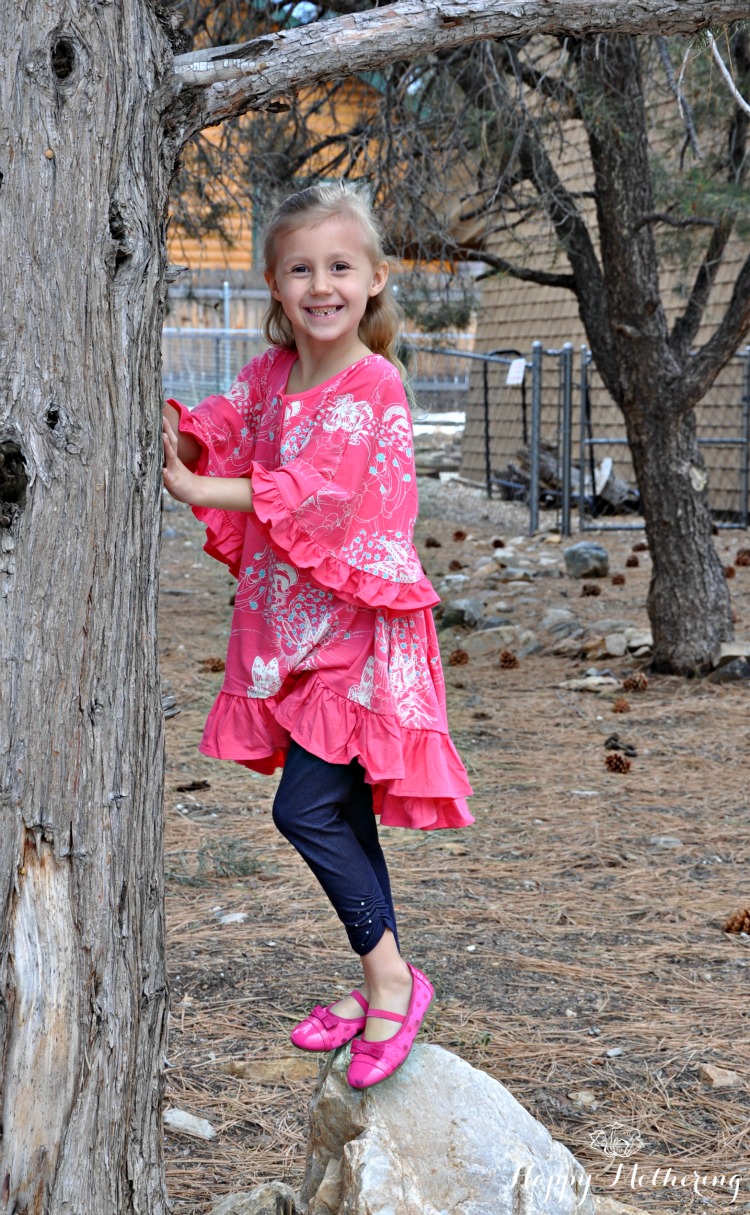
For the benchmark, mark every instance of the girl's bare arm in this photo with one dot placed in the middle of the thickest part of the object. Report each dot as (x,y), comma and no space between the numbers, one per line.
(221,493)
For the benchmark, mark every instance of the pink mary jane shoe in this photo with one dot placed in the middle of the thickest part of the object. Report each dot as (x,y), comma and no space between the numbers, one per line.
(324,1030)
(376,1061)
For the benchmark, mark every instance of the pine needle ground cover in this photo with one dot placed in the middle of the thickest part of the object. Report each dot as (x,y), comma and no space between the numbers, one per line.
(575,936)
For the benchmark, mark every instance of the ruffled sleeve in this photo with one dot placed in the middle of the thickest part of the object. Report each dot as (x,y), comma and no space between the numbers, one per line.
(343,507)
(228,429)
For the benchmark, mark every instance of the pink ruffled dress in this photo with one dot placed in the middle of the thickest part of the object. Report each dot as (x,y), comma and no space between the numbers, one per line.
(332,642)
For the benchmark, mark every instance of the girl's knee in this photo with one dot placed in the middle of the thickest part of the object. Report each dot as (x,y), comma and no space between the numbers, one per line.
(282,818)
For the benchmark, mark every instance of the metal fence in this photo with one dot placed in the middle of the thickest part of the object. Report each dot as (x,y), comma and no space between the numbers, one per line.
(199,362)
(552,408)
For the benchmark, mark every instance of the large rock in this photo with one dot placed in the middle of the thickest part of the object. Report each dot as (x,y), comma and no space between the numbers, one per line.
(439,1136)
(587,560)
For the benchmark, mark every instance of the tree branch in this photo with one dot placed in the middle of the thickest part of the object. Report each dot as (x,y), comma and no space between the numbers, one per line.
(739,99)
(687,324)
(682,102)
(703,368)
(542,277)
(226,81)
(663,217)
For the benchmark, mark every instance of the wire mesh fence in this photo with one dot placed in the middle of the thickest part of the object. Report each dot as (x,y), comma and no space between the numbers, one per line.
(200,362)
(538,427)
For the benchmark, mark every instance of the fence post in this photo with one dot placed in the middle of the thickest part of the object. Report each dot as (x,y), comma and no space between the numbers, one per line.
(582,439)
(567,444)
(487,457)
(227,342)
(745,473)
(536,418)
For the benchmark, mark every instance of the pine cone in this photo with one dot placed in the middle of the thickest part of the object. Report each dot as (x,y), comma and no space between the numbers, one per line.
(618,580)
(458,658)
(508,660)
(635,683)
(591,588)
(431,542)
(616,762)
(456,565)
(212,664)
(739,922)
(729,571)
(743,557)
(632,562)
(460,534)
(621,705)
(641,546)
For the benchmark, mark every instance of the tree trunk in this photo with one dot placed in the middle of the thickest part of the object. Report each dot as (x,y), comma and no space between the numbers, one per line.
(688,602)
(84,167)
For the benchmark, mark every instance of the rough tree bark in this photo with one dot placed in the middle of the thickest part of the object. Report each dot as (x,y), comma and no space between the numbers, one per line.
(91,119)
(85,164)
(650,377)
(233,79)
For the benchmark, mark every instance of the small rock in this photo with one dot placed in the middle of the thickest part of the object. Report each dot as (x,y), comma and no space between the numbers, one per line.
(586,560)
(555,618)
(718,1077)
(729,650)
(170,533)
(590,683)
(183,1123)
(638,639)
(616,645)
(276,1198)
(233,917)
(458,612)
(489,642)
(494,622)
(455,582)
(514,574)
(614,626)
(584,1097)
(738,668)
(664,842)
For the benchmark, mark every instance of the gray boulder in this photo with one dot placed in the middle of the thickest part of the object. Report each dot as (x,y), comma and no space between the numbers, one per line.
(438,1136)
(586,560)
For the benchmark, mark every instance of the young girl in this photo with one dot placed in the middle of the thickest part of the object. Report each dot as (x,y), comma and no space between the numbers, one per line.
(304,476)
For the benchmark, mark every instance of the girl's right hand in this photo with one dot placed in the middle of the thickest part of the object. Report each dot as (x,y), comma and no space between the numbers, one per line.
(179,481)
(188,448)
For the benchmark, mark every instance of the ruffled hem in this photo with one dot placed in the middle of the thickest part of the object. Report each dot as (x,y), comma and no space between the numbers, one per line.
(349,584)
(417,778)
(224,538)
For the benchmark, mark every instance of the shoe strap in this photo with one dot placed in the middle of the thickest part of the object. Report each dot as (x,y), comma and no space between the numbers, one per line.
(388,1016)
(357,995)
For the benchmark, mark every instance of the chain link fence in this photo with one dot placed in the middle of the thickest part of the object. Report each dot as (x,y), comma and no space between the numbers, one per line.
(537,426)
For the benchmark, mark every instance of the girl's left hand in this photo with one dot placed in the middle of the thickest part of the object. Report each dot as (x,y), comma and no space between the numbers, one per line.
(179,481)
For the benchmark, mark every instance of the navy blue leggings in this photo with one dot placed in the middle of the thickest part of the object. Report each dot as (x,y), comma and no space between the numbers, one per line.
(325,810)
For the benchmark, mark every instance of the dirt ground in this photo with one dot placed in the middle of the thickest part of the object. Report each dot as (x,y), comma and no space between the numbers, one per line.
(574,934)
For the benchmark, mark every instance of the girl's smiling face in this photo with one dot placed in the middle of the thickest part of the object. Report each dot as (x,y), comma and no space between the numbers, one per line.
(323,278)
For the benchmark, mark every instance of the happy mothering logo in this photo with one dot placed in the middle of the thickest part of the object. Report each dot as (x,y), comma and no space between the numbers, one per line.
(619,1141)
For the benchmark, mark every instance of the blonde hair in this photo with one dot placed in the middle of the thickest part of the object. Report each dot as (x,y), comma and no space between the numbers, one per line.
(379,327)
